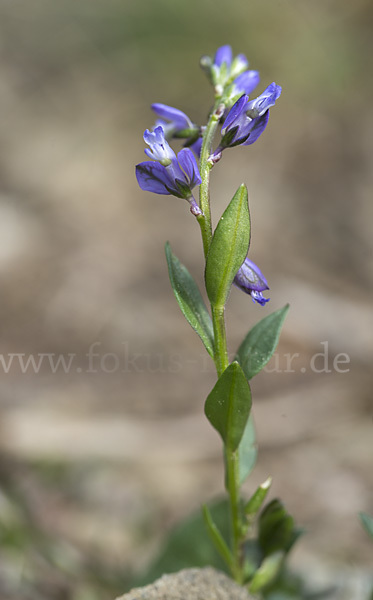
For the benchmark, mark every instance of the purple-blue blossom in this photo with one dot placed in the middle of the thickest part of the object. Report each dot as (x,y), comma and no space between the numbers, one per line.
(159,149)
(172,119)
(246,82)
(225,66)
(251,280)
(176,123)
(223,55)
(230,74)
(247,119)
(168,173)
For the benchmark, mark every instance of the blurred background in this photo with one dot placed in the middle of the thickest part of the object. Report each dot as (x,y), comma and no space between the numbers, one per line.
(100,455)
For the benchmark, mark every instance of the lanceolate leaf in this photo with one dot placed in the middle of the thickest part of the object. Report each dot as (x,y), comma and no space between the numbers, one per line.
(228,405)
(216,536)
(228,249)
(190,300)
(261,342)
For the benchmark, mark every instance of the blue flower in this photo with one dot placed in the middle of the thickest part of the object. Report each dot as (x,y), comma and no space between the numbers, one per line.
(172,119)
(230,74)
(159,149)
(246,82)
(223,55)
(225,66)
(247,119)
(177,124)
(251,280)
(170,174)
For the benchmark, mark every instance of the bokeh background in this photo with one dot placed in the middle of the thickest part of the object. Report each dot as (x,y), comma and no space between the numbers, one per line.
(98,463)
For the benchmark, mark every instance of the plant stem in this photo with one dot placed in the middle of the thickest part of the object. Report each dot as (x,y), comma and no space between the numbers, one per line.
(220,339)
(233,486)
(232,457)
(205,168)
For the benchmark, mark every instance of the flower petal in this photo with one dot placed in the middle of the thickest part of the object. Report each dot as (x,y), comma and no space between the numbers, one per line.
(189,165)
(247,82)
(159,147)
(176,116)
(235,111)
(223,55)
(259,298)
(265,100)
(197,146)
(257,126)
(250,278)
(152,177)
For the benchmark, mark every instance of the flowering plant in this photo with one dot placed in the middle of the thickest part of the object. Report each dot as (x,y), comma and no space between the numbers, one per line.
(260,538)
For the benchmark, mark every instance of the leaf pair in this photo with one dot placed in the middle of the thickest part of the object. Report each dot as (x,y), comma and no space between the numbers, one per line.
(259,344)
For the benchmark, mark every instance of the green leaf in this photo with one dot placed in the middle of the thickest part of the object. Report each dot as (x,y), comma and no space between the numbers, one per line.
(188,545)
(190,300)
(228,249)
(257,499)
(247,450)
(228,405)
(267,572)
(367,522)
(217,537)
(260,343)
(276,529)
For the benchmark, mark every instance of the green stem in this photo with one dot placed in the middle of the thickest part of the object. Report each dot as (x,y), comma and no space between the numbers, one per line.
(205,168)
(232,457)
(233,485)
(206,233)
(220,340)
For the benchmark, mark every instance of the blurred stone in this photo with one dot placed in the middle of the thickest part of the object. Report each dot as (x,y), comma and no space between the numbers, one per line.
(190,584)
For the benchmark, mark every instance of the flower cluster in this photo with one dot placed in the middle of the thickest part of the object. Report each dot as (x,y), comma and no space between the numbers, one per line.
(242,122)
